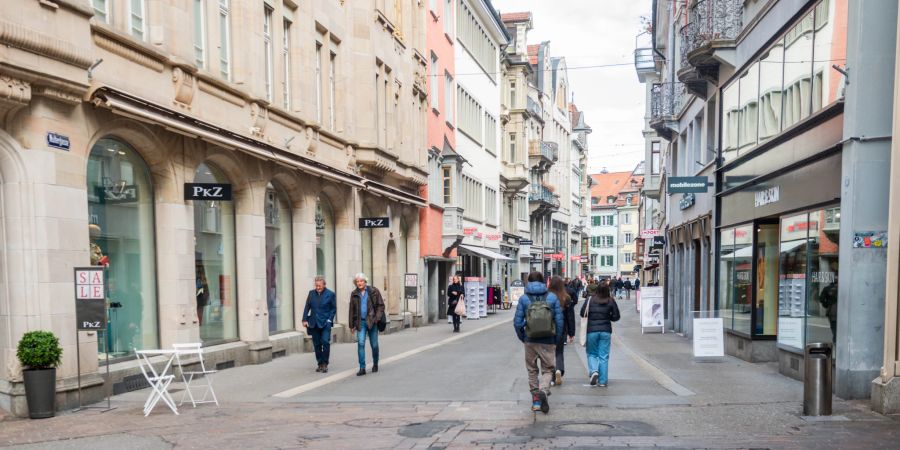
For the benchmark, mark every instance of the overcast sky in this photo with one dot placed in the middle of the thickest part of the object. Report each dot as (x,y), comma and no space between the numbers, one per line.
(591,33)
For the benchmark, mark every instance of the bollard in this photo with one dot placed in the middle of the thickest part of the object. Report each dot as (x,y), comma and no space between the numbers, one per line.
(817,378)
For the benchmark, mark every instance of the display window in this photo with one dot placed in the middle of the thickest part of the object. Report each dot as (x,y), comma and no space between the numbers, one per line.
(214,262)
(279,263)
(325,260)
(121,230)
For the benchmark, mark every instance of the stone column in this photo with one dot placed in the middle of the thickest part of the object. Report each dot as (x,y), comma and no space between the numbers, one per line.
(250,246)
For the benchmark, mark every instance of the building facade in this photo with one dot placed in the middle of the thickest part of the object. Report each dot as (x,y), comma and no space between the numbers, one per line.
(274,102)
(605,234)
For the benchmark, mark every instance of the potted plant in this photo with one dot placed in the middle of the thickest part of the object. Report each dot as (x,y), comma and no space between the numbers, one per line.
(39,353)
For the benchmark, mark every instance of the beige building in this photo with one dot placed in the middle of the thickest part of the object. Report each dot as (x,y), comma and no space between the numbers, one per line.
(312,115)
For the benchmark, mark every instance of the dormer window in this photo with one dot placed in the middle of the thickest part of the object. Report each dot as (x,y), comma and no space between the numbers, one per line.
(611,199)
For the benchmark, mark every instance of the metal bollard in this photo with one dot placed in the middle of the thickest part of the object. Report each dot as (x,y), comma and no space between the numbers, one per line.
(817,378)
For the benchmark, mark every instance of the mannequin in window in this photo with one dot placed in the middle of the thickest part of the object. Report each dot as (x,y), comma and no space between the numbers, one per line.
(202,286)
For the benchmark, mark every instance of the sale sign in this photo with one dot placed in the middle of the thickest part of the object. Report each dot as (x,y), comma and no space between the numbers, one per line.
(90,298)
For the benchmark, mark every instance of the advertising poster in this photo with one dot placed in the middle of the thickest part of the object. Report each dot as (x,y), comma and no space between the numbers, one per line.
(516,290)
(652,307)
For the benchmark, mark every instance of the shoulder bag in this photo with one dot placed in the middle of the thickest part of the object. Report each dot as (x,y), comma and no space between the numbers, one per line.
(582,332)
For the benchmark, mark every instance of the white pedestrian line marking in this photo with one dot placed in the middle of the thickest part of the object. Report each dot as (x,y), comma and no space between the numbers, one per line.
(658,375)
(292,392)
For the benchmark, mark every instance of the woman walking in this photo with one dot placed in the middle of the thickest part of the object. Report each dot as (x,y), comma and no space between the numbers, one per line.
(567,304)
(454,296)
(601,311)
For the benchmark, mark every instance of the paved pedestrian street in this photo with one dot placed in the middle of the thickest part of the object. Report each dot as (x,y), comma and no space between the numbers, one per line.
(437,389)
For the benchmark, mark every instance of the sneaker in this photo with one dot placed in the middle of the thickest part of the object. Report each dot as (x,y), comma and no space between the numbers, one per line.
(535,402)
(558,379)
(594,377)
(545,405)
(602,385)
(361,372)
(375,368)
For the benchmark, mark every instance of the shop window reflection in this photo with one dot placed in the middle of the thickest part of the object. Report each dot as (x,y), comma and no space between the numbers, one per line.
(279,267)
(742,265)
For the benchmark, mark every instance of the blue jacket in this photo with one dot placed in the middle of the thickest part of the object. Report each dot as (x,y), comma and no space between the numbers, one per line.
(536,289)
(320,309)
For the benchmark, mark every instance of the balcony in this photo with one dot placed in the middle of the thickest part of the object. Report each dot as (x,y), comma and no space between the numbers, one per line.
(542,200)
(707,40)
(542,154)
(645,63)
(666,101)
(453,227)
(534,108)
(514,176)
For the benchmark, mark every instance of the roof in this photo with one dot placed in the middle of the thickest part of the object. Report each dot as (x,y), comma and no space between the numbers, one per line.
(608,184)
(533,54)
(516,16)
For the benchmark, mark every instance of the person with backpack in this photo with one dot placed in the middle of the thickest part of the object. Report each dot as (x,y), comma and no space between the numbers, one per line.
(600,311)
(366,320)
(565,294)
(539,325)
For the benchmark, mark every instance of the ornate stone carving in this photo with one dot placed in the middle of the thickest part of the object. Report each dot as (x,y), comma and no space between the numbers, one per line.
(14,91)
(184,86)
(70,98)
(19,36)
(259,118)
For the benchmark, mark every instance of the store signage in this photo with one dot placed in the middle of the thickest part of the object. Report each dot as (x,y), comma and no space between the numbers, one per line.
(767,196)
(469,231)
(709,338)
(112,195)
(493,237)
(410,285)
(687,200)
(525,242)
(684,185)
(584,259)
(649,233)
(575,258)
(59,141)
(557,256)
(374,222)
(516,290)
(479,236)
(90,298)
(207,191)
(658,242)
(652,314)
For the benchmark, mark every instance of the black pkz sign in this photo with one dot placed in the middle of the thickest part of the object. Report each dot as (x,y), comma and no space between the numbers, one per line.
(207,191)
(374,222)
(90,298)
(687,185)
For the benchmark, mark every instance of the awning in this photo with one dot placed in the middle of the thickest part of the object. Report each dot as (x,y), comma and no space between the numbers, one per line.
(394,193)
(483,252)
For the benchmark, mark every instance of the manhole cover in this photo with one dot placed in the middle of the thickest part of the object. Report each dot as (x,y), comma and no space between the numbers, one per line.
(585,427)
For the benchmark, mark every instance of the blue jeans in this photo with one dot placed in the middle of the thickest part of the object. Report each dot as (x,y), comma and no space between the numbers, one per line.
(598,354)
(321,338)
(361,334)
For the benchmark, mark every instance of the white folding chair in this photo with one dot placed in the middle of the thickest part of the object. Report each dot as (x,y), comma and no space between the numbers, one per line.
(190,350)
(159,383)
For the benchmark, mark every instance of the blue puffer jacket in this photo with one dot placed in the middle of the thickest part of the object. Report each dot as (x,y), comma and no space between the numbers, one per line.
(536,289)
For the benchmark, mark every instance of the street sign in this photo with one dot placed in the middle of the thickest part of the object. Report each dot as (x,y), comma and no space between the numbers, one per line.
(526,242)
(207,191)
(684,185)
(374,222)
(90,298)
(59,141)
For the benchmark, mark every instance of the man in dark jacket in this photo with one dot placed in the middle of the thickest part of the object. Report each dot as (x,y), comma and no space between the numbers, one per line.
(628,288)
(539,349)
(318,317)
(366,310)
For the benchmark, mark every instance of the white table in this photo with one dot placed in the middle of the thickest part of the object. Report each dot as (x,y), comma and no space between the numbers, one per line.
(159,380)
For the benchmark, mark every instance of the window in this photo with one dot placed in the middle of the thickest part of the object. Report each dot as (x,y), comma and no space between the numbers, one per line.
(595,241)
(101,9)
(512,148)
(654,158)
(512,94)
(286,59)
(595,221)
(224,39)
(470,115)
(628,238)
(628,258)
(628,200)
(332,92)
(318,82)
(523,208)
(606,241)
(267,41)
(434,178)
(606,260)
(490,202)
(476,39)
(626,218)
(199,33)
(447,182)
(610,200)
(435,83)
(490,134)
(448,17)
(608,220)
(279,267)
(136,16)
(448,97)
(432,5)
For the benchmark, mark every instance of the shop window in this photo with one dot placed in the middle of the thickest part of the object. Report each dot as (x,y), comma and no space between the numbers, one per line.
(279,264)
(767,249)
(792,280)
(214,262)
(325,260)
(121,228)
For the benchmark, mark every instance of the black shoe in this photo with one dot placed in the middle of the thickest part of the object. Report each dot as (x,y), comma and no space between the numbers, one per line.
(594,377)
(374,368)
(319,369)
(545,406)
(361,372)
(324,368)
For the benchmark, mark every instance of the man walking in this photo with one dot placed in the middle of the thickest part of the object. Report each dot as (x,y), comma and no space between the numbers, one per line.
(539,325)
(366,315)
(318,317)
(628,288)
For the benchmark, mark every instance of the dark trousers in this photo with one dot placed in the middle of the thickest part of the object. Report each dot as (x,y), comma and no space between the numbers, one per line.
(456,321)
(321,343)
(560,357)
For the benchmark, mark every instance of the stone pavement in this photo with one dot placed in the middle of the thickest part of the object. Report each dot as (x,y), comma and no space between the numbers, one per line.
(440,390)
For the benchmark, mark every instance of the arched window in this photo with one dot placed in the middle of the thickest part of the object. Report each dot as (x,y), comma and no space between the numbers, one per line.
(214,262)
(279,264)
(120,207)
(325,260)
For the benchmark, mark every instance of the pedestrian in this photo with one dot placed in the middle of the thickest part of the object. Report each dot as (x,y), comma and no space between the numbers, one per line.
(620,287)
(539,325)
(637,284)
(628,288)
(455,294)
(591,288)
(318,317)
(366,316)
(601,311)
(567,305)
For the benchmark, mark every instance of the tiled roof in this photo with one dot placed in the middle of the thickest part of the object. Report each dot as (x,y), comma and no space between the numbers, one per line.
(516,16)
(608,184)
(533,53)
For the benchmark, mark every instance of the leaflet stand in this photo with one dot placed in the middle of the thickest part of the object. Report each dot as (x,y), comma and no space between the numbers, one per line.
(652,311)
(91,314)
(708,337)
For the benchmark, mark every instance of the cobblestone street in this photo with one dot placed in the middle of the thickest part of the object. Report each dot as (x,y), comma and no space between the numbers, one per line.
(440,390)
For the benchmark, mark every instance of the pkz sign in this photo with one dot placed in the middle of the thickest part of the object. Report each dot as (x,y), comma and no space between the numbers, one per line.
(207,191)
(374,222)
(686,185)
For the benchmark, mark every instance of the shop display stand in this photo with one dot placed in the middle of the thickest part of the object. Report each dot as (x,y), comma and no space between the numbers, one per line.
(476,297)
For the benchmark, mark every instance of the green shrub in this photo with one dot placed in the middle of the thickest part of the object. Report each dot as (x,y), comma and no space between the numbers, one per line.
(39,350)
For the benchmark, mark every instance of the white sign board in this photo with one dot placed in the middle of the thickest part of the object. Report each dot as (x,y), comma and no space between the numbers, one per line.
(652,314)
(790,331)
(709,338)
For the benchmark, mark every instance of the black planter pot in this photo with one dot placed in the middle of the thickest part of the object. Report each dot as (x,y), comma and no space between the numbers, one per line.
(40,392)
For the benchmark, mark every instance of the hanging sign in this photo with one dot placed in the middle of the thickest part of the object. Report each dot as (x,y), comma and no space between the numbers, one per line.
(684,185)
(90,298)
(207,191)
(687,200)
(649,233)
(374,222)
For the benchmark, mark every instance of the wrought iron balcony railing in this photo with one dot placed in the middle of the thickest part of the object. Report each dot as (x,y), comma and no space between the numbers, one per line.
(544,195)
(534,108)
(666,100)
(709,21)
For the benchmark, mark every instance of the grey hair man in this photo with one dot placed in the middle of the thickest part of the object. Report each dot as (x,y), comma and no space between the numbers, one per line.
(366,316)
(318,318)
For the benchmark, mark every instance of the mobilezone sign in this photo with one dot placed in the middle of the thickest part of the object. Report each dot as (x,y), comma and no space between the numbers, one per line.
(687,185)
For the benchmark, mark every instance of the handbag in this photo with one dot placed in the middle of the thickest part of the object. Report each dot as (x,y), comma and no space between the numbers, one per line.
(460,309)
(582,332)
